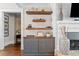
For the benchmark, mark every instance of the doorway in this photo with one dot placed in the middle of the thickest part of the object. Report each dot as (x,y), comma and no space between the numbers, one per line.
(18,28)
(12,30)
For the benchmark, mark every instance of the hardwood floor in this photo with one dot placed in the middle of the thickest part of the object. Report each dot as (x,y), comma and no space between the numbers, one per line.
(14,50)
(11,50)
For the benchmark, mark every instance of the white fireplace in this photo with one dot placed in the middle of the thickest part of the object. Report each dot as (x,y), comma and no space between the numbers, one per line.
(70,27)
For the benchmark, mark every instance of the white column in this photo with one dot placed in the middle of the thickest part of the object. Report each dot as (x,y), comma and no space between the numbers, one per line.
(22,18)
(55,17)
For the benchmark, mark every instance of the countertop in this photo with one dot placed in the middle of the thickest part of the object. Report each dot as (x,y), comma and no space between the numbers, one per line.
(30,37)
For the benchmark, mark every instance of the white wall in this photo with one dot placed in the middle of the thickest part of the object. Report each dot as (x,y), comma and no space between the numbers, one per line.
(8,6)
(66,10)
(1,30)
(18,22)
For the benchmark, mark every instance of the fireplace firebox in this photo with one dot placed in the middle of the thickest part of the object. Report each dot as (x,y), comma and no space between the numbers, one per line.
(74,44)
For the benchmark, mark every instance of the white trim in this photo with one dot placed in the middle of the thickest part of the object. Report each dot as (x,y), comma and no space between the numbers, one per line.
(22,29)
(11,10)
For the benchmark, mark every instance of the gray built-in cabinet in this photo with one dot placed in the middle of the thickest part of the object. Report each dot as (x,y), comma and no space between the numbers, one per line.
(38,46)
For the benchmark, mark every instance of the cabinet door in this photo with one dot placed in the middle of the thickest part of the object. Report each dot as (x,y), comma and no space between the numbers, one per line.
(45,45)
(31,45)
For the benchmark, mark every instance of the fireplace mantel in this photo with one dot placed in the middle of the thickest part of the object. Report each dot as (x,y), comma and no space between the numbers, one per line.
(71,26)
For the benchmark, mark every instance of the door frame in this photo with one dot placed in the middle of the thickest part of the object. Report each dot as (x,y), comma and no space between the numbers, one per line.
(20,10)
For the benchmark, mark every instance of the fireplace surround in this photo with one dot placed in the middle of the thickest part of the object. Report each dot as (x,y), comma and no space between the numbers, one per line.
(74,40)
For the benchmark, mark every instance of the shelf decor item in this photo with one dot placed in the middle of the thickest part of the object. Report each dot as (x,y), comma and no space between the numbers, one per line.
(29,26)
(50,27)
(43,10)
(40,34)
(48,34)
(6,25)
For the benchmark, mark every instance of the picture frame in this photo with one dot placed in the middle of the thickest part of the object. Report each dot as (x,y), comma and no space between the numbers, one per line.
(6,25)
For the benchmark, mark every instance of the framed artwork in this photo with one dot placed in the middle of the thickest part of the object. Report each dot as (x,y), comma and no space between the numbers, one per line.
(6,25)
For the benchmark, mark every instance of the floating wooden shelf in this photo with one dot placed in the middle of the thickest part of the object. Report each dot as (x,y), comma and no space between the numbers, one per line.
(38,20)
(39,12)
(39,29)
